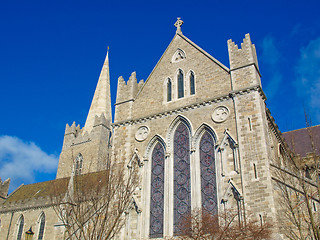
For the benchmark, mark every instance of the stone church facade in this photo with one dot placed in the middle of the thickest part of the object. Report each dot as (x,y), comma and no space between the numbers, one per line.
(200,130)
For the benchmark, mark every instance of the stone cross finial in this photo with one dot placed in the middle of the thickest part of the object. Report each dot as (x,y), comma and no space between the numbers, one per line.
(178,24)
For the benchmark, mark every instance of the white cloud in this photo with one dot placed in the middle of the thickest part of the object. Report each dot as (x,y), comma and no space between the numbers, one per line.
(308,76)
(271,57)
(21,161)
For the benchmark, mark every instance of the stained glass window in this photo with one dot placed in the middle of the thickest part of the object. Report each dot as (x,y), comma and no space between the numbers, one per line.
(42,224)
(157,192)
(20,228)
(192,87)
(208,174)
(78,164)
(180,84)
(182,196)
(169,90)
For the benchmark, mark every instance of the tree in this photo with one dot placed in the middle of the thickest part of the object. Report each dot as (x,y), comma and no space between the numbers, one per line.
(298,189)
(93,206)
(201,225)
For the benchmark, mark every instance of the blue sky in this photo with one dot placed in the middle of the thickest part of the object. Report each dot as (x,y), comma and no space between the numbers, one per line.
(51,54)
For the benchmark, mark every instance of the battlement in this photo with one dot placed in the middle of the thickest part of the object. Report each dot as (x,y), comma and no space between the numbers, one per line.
(244,56)
(4,187)
(128,90)
(74,135)
(73,129)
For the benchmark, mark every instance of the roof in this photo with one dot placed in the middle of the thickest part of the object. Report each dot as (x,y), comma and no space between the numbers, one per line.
(30,192)
(300,140)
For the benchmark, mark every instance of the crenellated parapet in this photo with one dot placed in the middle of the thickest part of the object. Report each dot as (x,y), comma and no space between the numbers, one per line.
(73,129)
(243,56)
(127,91)
(243,64)
(74,135)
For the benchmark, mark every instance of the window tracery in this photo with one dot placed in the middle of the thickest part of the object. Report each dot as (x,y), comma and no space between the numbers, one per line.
(208,174)
(182,188)
(42,225)
(157,192)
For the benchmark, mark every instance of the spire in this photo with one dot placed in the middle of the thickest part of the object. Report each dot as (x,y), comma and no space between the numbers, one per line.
(101,102)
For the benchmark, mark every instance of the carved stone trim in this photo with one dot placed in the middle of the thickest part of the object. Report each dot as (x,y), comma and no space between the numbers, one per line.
(142,133)
(220,114)
(178,56)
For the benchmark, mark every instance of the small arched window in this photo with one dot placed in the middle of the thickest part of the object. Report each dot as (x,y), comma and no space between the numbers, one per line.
(192,84)
(169,90)
(20,227)
(180,84)
(42,225)
(78,164)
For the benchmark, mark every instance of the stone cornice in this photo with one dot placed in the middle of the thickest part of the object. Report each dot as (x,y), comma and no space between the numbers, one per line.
(16,208)
(217,99)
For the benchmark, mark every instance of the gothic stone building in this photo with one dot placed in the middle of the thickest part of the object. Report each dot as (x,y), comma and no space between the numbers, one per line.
(200,129)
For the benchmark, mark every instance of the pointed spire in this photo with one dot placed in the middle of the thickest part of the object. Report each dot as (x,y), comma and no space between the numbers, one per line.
(101,102)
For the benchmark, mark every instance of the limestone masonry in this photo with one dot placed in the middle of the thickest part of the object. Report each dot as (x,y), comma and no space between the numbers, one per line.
(218,139)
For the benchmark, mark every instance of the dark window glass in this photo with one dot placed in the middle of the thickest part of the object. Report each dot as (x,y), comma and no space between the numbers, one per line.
(157,192)
(182,196)
(42,224)
(20,229)
(192,87)
(208,174)
(169,90)
(180,84)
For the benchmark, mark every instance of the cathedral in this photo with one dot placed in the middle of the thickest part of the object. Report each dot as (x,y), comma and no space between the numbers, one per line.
(201,131)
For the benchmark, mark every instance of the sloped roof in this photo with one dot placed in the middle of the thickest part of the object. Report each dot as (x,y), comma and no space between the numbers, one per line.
(300,140)
(56,187)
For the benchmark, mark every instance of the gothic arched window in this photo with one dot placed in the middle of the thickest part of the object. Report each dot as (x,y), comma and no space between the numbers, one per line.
(169,90)
(180,84)
(182,196)
(78,164)
(192,84)
(20,227)
(157,192)
(42,225)
(208,174)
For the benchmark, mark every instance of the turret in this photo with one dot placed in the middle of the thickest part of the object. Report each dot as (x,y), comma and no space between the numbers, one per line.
(4,188)
(243,64)
(126,93)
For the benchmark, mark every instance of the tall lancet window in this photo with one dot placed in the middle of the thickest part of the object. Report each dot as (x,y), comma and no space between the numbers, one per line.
(180,84)
(157,192)
(182,196)
(78,164)
(20,227)
(42,225)
(208,174)
(192,86)
(169,90)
